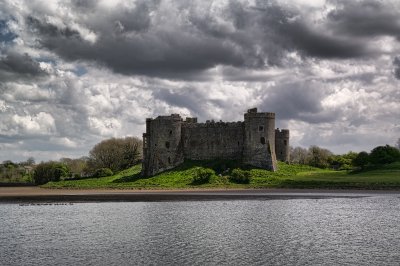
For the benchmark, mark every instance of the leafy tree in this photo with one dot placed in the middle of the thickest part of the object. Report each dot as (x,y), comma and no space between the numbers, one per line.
(361,160)
(49,171)
(76,167)
(318,157)
(384,154)
(116,154)
(342,162)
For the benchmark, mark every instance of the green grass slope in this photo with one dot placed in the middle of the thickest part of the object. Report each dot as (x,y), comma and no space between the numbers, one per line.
(288,176)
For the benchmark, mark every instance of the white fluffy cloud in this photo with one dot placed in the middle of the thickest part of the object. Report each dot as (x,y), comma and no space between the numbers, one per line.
(75,72)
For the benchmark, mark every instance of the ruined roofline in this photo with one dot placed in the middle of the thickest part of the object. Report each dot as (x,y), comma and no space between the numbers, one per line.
(282,130)
(213,124)
(176,117)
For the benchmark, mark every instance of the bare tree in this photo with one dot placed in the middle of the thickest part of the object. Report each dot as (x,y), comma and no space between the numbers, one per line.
(298,155)
(116,154)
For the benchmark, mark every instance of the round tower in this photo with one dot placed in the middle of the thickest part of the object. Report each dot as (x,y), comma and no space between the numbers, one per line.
(282,145)
(259,141)
(162,144)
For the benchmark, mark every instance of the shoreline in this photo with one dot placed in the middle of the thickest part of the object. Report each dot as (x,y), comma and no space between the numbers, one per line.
(40,195)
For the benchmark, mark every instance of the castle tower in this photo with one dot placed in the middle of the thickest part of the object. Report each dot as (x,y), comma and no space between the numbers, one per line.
(282,145)
(259,139)
(162,147)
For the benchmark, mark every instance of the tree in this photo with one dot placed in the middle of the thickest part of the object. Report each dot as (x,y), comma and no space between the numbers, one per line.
(298,155)
(318,157)
(342,162)
(77,167)
(384,154)
(49,171)
(361,160)
(116,154)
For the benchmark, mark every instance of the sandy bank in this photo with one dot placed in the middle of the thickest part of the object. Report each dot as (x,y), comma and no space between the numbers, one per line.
(36,194)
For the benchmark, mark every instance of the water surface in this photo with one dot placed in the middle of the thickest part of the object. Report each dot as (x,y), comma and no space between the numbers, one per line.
(332,231)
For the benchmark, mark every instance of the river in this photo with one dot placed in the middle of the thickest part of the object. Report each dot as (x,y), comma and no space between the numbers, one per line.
(327,231)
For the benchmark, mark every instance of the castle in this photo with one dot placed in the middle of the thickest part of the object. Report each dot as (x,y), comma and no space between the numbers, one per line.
(169,140)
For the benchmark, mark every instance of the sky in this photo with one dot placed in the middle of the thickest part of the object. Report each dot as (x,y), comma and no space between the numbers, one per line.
(73,73)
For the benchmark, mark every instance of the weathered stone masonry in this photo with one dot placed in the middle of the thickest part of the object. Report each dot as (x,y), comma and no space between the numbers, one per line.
(169,140)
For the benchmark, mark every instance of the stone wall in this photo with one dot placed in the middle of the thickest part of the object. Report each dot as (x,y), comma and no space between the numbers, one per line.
(169,140)
(282,145)
(259,147)
(162,144)
(205,141)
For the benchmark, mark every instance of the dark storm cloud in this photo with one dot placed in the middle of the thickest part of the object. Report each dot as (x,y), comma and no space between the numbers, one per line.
(190,98)
(19,64)
(396,64)
(291,31)
(298,101)
(365,18)
(133,41)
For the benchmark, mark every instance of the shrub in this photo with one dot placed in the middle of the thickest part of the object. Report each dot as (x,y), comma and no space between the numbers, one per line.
(102,172)
(361,160)
(202,175)
(384,154)
(49,171)
(240,176)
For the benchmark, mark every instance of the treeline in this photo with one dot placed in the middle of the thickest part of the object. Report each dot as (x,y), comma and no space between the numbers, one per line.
(11,172)
(105,158)
(323,158)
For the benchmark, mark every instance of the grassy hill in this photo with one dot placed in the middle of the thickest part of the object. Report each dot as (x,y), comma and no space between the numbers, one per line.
(288,176)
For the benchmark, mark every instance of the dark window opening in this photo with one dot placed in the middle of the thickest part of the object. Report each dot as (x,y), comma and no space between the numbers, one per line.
(261,128)
(169,160)
(262,140)
(155,145)
(238,143)
(170,132)
(285,142)
(167,144)
(281,153)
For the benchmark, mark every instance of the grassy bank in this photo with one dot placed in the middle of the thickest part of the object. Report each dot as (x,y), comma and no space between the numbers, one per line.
(288,176)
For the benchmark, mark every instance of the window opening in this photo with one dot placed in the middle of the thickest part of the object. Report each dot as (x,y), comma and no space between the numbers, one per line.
(262,140)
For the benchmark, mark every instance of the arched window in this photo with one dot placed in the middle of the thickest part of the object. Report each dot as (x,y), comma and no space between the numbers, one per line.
(262,140)
(167,144)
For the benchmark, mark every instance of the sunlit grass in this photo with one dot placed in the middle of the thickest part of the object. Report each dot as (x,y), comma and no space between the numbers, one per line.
(288,176)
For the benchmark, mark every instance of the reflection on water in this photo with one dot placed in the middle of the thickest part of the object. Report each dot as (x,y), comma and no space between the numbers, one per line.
(274,232)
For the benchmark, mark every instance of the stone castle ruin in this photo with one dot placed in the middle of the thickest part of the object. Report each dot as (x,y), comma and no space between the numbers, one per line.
(169,140)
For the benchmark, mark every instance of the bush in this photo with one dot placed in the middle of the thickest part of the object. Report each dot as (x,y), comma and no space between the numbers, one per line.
(103,172)
(49,171)
(202,175)
(240,176)
(384,154)
(361,160)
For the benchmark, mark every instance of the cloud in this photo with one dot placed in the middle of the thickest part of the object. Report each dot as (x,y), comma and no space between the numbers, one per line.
(396,64)
(73,73)
(366,18)
(15,64)
(182,40)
